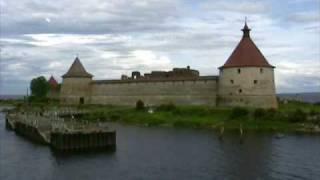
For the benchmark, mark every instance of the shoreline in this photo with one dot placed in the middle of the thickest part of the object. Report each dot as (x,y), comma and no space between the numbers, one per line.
(282,120)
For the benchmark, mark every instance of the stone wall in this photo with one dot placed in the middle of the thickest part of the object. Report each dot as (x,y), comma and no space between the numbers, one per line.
(197,92)
(253,87)
(72,89)
(53,94)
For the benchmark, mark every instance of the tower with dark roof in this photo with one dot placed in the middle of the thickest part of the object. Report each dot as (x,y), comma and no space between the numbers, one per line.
(75,87)
(247,78)
(53,84)
(54,88)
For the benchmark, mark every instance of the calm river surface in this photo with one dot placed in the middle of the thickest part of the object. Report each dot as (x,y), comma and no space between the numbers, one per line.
(167,153)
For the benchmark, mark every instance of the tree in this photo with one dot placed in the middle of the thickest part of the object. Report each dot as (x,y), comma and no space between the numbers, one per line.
(39,87)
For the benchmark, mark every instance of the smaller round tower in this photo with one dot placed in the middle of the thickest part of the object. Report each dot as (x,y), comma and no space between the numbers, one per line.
(247,79)
(75,87)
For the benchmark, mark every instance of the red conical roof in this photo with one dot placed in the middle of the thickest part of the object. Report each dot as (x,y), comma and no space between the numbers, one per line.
(246,54)
(77,70)
(52,82)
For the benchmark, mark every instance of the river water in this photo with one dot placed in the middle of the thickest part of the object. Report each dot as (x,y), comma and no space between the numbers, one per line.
(167,153)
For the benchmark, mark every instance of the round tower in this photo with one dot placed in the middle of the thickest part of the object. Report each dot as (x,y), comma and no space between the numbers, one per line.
(247,79)
(75,87)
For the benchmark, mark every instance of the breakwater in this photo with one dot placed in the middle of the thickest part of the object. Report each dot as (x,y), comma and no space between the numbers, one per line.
(60,133)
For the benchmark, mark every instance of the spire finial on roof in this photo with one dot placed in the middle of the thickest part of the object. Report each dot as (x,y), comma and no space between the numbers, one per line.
(246,30)
(77,70)
(246,54)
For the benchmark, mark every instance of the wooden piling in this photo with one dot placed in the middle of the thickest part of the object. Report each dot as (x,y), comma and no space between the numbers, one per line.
(83,141)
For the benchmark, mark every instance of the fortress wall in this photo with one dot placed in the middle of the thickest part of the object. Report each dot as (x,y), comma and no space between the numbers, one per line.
(195,92)
(243,91)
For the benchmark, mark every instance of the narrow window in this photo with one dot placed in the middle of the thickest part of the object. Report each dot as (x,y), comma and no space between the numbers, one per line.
(261,70)
(231,81)
(239,71)
(255,81)
(240,90)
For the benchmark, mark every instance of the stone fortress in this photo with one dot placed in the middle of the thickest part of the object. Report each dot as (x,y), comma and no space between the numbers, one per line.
(246,79)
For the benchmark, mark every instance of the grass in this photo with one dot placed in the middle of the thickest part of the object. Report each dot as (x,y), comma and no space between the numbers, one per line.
(282,119)
(206,117)
(293,105)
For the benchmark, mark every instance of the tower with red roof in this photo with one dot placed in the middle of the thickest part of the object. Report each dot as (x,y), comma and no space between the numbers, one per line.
(247,78)
(52,83)
(54,88)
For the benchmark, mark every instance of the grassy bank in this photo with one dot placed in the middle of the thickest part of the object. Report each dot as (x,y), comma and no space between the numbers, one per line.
(289,117)
(293,116)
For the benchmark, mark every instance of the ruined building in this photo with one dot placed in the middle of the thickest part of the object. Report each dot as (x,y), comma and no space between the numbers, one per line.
(246,79)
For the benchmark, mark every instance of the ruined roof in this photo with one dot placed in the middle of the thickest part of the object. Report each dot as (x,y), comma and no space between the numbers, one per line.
(52,82)
(246,53)
(77,70)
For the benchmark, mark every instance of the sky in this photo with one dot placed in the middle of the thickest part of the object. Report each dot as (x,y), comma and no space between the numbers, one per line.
(115,37)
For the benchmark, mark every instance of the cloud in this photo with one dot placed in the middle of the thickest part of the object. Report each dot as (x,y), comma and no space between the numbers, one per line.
(119,36)
(79,16)
(48,20)
(73,39)
(305,17)
(296,77)
(137,60)
(245,7)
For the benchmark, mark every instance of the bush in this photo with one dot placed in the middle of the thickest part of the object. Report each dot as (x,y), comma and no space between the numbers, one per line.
(259,113)
(297,116)
(166,107)
(95,116)
(313,112)
(115,117)
(273,114)
(140,105)
(239,112)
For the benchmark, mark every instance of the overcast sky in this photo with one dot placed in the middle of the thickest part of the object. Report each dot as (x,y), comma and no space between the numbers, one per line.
(114,37)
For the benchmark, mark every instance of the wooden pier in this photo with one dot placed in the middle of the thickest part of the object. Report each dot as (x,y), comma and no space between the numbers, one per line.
(63,135)
(30,132)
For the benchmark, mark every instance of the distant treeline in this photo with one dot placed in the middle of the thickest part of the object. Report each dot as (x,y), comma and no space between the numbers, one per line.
(313,97)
